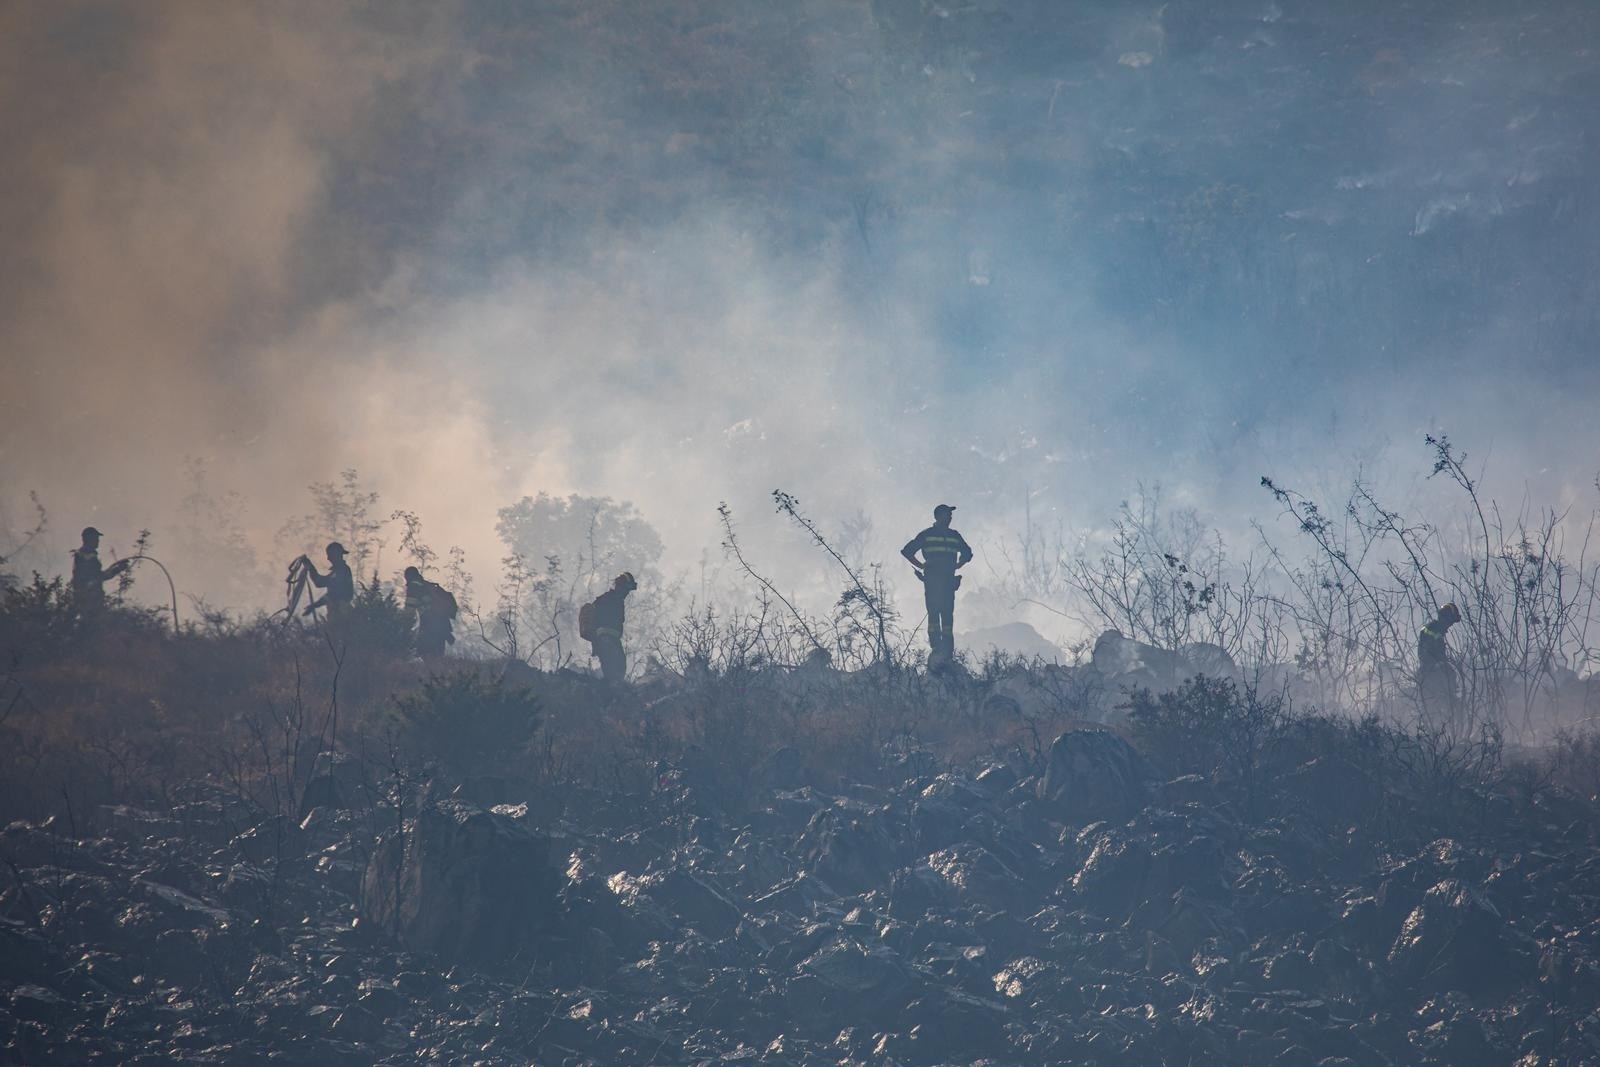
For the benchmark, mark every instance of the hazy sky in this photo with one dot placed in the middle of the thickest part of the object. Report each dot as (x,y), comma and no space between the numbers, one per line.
(877,254)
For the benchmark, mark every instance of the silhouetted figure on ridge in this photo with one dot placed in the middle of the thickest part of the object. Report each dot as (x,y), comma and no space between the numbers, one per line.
(339,583)
(89,578)
(1436,677)
(435,609)
(944,551)
(600,622)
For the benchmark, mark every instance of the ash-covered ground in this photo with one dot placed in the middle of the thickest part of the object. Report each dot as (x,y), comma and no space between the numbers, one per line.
(1353,896)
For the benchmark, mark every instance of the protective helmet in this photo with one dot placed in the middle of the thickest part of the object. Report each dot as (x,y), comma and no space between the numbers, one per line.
(626,578)
(413,575)
(1450,613)
(90,531)
(944,509)
(335,549)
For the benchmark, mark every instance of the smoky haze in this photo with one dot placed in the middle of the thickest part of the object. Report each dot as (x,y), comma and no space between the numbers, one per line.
(877,254)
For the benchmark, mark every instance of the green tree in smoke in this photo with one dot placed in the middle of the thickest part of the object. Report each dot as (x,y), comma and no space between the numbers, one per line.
(343,511)
(584,543)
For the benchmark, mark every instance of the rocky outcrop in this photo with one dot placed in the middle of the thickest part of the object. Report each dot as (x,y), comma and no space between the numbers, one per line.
(1093,774)
(470,885)
(1125,663)
(922,918)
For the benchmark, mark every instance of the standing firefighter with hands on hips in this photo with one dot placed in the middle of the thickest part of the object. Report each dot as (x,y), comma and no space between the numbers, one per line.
(944,551)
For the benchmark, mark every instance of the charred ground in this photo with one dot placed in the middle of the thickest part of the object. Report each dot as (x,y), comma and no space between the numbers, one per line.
(247,845)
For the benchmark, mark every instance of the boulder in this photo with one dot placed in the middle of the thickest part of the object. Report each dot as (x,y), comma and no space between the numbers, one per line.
(1093,774)
(851,852)
(473,886)
(1456,940)
(979,877)
(1125,663)
(941,814)
(337,780)
(846,981)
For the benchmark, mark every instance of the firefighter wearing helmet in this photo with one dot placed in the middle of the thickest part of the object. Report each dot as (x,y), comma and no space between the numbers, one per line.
(601,622)
(1436,676)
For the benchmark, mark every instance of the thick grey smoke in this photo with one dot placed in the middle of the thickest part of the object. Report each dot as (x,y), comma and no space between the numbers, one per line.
(878,255)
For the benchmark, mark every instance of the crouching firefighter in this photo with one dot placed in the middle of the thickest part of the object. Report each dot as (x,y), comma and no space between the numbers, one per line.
(944,551)
(600,623)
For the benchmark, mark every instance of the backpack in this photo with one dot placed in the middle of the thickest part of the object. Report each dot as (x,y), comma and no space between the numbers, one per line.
(586,621)
(443,596)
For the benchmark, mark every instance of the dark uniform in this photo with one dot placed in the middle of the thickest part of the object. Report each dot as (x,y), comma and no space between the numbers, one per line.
(434,608)
(943,552)
(339,583)
(89,578)
(609,615)
(608,634)
(1436,677)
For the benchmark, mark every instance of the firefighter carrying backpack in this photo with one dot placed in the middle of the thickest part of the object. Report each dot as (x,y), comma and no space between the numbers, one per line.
(586,621)
(444,597)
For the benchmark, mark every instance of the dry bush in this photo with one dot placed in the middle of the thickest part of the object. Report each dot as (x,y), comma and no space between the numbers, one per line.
(1572,762)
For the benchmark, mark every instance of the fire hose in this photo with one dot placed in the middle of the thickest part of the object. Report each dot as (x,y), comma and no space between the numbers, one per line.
(171,586)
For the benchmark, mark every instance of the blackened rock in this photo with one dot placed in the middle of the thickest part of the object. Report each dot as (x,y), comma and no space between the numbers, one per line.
(1456,940)
(177,959)
(247,888)
(1291,970)
(1362,923)
(272,841)
(1452,1033)
(1568,972)
(1189,789)
(358,1025)
(43,844)
(846,980)
(914,890)
(997,779)
(1334,789)
(24,954)
(849,851)
(35,1003)
(694,899)
(978,877)
(1093,774)
(338,781)
(473,886)
(946,1021)
(1339,969)
(944,809)
(667,900)
(1188,921)
(1112,879)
